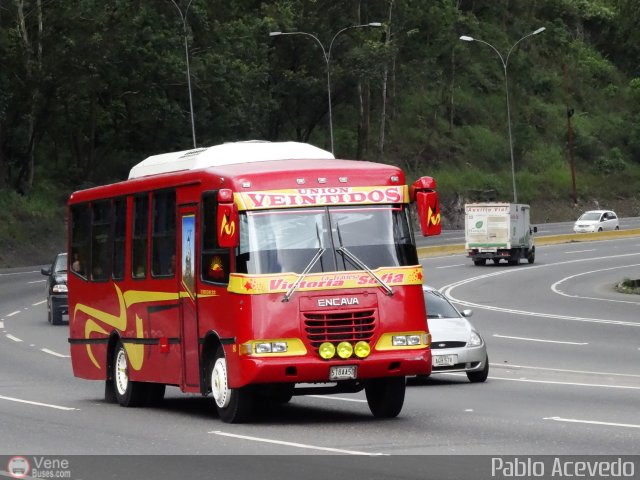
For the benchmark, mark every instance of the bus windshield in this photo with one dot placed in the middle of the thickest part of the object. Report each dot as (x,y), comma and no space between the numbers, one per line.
(286,240)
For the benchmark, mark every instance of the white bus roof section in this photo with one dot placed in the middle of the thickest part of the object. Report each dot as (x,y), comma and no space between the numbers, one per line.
(227,154)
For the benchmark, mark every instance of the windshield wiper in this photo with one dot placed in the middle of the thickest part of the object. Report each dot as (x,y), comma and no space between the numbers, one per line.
(307,269)
(342,249)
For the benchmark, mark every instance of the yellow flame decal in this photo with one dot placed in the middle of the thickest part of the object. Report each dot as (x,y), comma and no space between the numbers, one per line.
(119,322)
(433,219)
(227,228)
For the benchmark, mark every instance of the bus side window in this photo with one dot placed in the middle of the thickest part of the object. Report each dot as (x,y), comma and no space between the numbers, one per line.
(100,245)
(163,245)
(140,236)
(216,262)
(80,228)
(119,237)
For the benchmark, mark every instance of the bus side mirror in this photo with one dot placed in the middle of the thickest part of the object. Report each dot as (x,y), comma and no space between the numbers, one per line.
(228,220)
(424,194)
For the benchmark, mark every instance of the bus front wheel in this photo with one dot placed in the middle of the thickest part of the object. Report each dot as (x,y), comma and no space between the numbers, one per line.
(234,405)
(385,396)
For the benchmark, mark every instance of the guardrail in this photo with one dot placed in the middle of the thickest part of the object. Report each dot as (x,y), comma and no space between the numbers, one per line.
(441,250)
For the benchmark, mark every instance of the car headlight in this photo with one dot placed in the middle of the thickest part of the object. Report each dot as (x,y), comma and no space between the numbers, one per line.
(474,339)
(60,288)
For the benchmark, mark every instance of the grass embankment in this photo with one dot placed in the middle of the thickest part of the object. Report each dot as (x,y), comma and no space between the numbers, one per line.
(32,228)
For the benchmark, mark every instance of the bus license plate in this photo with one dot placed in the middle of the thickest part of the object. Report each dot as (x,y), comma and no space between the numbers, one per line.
(444,360)
(343,372)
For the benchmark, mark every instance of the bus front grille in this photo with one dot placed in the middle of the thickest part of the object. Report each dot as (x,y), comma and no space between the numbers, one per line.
(350,326)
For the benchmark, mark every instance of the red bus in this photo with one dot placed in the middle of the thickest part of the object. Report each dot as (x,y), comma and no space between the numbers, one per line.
(252,271)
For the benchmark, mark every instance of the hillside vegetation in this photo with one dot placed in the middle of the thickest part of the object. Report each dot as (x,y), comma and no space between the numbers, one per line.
(89,88)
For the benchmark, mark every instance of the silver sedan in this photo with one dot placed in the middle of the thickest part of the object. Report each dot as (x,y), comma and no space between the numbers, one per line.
(456,346)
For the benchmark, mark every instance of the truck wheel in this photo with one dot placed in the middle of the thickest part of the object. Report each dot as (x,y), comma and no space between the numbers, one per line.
(496,261)
(480,261)
(128,393)
(385,396)
(532,256)
(234,405)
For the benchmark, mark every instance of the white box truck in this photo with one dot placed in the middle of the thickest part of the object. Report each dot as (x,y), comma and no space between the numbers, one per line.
(496,231)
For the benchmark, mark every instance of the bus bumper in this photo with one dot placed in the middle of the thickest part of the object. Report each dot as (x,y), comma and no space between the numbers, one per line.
(309,369)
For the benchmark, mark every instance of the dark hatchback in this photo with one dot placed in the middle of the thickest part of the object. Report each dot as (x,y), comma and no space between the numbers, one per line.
(56,289)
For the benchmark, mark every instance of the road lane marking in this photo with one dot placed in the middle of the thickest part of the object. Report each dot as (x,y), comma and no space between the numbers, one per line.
(11,337)
(55,354)
(13,313)
(592,422)
(38,303)
(551,382)
(540,340)
(555,289)
(18,273)
(36,281)
(329,397)
(586,372)
(37,404)
(582,251)
(297,445)
(1,325)
(451,266)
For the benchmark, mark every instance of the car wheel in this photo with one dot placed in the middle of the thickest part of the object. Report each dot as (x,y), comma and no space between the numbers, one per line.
(481,375)
(385,396)
(617,227)
(479,262)
(532,256)
(56,317)
(600,229)
(128,393)
(234,405)
(48,314)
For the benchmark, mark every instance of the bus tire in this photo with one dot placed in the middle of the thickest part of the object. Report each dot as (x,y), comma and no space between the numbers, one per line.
(128,393)
(385,396)
(234,405)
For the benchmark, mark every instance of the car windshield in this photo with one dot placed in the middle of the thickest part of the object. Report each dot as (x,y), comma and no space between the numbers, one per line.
(590,216)
(60,263)
(437,306)
(286,240)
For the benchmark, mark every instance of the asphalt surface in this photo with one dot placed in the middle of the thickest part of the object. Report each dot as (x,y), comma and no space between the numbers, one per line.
(564,349)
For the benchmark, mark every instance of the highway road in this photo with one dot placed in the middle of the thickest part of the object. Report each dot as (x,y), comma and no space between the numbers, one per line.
(564,351)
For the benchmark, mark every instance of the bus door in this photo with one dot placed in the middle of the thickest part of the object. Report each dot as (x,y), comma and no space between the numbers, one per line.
(187,277)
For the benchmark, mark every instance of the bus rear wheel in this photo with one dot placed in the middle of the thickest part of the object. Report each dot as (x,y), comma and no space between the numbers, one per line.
(234,405)
(385,396)
(127,392)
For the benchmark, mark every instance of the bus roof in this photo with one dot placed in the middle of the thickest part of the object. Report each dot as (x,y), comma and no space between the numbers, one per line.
(227,154)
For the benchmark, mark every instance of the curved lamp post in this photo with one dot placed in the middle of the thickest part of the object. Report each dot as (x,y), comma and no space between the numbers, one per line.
(183,17)
(505,62)
(327,58)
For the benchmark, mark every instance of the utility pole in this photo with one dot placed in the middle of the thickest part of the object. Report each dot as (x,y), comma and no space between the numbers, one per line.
(570,111)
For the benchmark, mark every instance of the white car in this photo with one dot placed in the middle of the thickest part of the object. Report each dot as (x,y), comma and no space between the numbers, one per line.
(596,221)
(456,346)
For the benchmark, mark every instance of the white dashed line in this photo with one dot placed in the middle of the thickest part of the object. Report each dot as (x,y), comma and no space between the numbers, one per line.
(36,281)
(293,444)
(38,404)
(55,354)
(540,340)
(592,422)
(38,303)
(452,266)
(13,313)
(11,337)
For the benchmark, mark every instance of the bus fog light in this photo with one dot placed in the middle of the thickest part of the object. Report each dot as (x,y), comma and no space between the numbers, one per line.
(327,350)
(362,349)
(345,350)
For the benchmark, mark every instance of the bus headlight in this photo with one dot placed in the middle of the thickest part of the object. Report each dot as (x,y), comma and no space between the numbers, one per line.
(405,340)
(277,347)
(271,347)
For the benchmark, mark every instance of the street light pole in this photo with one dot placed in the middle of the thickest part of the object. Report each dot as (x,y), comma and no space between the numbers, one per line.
(505,63)
(183,17)
(327,58)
